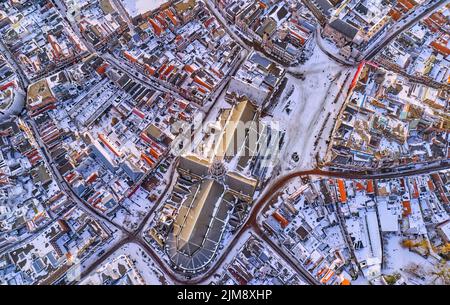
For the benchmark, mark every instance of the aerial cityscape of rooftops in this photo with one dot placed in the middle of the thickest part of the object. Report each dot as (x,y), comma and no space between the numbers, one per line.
(224,142)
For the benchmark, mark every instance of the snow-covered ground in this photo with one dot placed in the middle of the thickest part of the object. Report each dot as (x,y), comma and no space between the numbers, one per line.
(143,263)
(309,111)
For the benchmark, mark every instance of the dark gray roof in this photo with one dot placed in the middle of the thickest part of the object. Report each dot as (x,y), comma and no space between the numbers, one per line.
(362,9)
(344,28)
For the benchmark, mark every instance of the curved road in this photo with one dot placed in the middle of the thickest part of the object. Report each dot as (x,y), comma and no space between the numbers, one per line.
(280,182)
(263,201)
